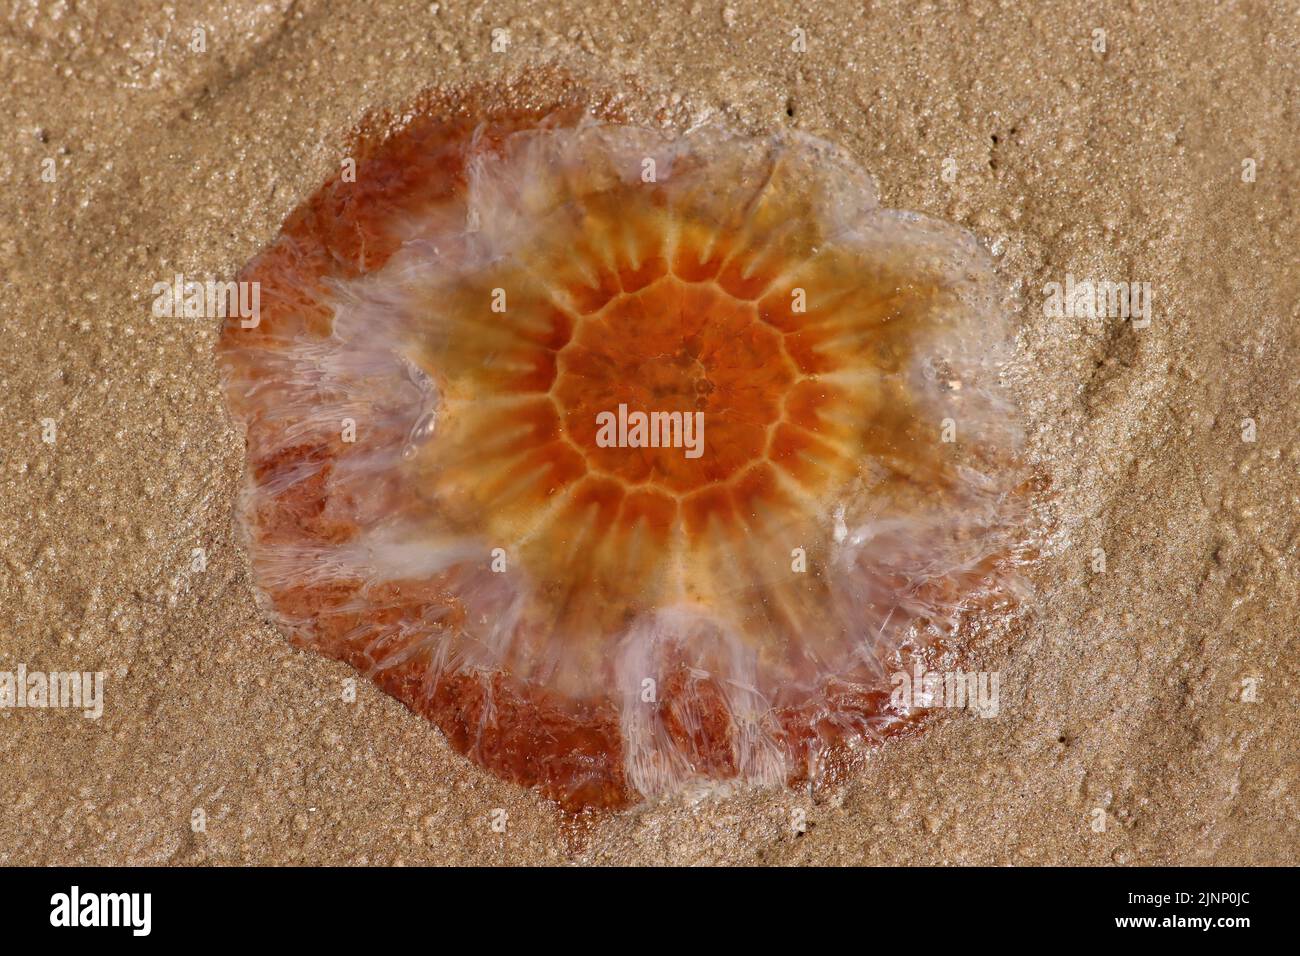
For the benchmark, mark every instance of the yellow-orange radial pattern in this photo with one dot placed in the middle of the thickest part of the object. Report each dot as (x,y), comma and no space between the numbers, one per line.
(631,459)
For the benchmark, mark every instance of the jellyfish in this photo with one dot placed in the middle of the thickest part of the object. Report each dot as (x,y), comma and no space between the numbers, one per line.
(635,459)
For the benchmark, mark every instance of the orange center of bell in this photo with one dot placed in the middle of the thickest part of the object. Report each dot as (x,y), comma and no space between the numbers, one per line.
(675,348)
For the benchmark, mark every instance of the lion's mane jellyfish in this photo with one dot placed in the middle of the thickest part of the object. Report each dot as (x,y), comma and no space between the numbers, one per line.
(632,459)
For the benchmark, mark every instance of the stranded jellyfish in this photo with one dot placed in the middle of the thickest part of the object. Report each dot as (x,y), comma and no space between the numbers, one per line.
(632,459)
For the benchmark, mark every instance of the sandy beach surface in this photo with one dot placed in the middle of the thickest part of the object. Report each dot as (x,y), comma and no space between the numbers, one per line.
(1148,711)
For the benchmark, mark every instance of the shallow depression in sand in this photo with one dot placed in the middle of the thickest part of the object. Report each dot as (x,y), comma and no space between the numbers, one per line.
(632,459)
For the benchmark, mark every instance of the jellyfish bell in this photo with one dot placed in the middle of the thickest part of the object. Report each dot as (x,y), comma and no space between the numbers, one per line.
(522,538)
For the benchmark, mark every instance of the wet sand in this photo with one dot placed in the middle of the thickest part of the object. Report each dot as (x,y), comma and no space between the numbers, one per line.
(1158,696)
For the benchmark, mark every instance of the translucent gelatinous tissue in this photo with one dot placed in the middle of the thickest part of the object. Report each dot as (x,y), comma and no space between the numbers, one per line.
(428,497)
